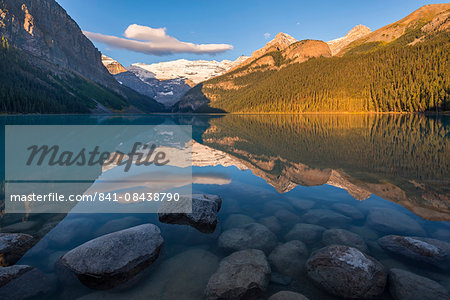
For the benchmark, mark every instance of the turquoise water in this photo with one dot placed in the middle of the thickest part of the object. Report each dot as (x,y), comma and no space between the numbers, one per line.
(264,164)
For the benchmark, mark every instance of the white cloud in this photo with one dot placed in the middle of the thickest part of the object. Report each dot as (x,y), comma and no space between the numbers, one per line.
(267,35)
(154,41)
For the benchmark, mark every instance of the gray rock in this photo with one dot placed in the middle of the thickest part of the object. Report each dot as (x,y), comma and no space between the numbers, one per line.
(302,205)
(346,272)
(289,258)
(287,295)
(24,282)
(242,275)
(9,273)
(404,285)
(13,246)
(271,223)
(280,279)
(344,237)
(287,217)
(349,211)
(237,220)
(20,226)
(204,212)
(425,250)
(307,233)
(250,236)
(325,217)
(112,259)
(389,221)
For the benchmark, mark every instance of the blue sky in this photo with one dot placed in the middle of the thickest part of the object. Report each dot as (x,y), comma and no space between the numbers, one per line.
(242,24)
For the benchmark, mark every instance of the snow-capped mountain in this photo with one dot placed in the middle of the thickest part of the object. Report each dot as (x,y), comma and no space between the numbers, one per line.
(194,71)
(357,32)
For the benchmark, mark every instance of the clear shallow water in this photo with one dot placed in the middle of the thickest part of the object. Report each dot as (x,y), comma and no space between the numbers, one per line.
(401,162)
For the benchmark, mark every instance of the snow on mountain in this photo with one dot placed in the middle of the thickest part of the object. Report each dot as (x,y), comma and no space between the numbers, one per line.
(357,32)
(195,71)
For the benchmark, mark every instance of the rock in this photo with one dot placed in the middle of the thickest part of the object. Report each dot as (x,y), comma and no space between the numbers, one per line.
(203,216)
(307,233)
(280,279)
(271,223)
(404,285)
(349,211)
(117,224)
(183,276)
(13,246)
(344,237)
(70,231)
(389,221)
(287,295)
(302,205)
(289,258)
(429,251)
(9,273)
(346,272)
(112,259)
(242,275)
(237,220)
(274,205)
(287,217)
(325,217)
(250,236)
(24,282)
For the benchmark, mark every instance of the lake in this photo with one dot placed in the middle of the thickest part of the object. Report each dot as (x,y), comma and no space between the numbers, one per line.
(370,175)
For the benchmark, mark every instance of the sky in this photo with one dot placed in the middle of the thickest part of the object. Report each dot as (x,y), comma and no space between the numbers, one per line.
(149,31)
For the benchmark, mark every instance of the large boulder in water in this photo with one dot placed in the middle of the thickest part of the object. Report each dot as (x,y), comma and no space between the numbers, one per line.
(250,236)
(112,259)
(346,272)
(289,258)
(203,216)
(13,246)
(429,251)
(404,285)
(242,275)
(389,221)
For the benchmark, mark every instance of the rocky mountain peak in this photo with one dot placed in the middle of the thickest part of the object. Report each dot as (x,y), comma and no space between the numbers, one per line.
(355,33)
(113,66)
(282,39)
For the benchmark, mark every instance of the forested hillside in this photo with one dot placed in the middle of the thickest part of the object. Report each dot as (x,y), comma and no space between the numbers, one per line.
(391,77)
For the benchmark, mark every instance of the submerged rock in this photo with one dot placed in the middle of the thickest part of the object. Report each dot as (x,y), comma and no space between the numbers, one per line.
(287,295)
(271,223)
(24,282)
(280,279)
(344,237)
(425,250)
(349,211)
(389,221)
(70,231)
(237,220)
(287,217)
(307,233)
(13,246)
(404,285)
(302,204)
(325,217)
(347,272)
(289,258)
(204,212)
(117,224)
(112,259)
(250,236)
(242,275)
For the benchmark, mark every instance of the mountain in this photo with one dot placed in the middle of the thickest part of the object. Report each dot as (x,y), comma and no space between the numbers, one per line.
(113,66)
(48,66)
(426,20)
(355,33)
(192,71)
(402,67)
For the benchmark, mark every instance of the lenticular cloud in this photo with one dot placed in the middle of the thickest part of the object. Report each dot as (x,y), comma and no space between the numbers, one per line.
(154,41)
